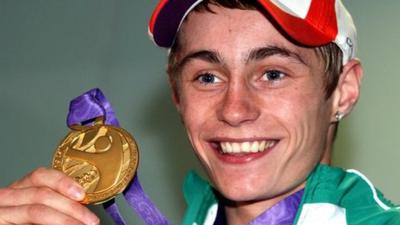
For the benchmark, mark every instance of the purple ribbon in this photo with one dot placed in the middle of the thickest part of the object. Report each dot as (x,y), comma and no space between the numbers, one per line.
(83,110)
(282,213)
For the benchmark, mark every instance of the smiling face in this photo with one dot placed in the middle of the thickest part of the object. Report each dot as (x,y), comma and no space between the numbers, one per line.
(253,104)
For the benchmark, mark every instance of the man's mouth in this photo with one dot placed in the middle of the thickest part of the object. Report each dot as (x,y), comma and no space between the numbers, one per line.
(246,147)
(239,152)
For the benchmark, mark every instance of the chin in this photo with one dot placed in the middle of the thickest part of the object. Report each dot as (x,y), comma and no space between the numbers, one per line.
(240,189)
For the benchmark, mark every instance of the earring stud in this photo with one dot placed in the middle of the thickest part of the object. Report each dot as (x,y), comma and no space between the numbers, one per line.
(339,116)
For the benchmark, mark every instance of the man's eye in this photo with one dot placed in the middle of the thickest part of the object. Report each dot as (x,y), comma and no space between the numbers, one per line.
(274,75)
(208,78)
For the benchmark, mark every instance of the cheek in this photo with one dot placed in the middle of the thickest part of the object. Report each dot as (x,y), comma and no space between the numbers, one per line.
(193,116)
(196,107)
(195,113)
(190,109)
(306,119)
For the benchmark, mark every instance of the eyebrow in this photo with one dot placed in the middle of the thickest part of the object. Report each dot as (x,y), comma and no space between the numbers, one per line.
(204,55)
(264,52)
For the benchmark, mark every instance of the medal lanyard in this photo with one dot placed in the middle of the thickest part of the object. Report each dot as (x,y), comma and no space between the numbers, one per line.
(84,109)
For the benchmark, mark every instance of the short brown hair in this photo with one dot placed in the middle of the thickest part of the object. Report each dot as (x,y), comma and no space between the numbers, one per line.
(330,54)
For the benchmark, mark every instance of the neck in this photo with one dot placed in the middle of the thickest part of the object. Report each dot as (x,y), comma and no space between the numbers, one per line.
(327,156)
(239,213)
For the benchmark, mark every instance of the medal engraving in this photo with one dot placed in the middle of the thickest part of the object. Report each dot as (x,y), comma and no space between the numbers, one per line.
(102,159)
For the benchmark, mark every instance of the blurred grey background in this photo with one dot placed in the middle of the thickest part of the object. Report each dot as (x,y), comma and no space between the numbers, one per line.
(52,51)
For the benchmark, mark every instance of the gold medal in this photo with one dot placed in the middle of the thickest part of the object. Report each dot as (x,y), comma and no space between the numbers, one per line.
(102,159)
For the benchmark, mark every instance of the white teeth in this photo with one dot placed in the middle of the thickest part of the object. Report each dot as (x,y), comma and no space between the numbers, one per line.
(254,146)
(246,147)
(223,145)
(270,144)
(229,148)
(262,146)
(236,147)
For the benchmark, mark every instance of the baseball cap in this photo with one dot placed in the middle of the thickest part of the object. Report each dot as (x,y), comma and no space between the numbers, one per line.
(308,22)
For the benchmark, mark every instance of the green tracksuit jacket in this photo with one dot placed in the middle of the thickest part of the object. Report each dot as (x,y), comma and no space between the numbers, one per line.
(332,196)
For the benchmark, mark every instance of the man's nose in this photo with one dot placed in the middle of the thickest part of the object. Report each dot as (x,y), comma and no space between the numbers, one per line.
(238,106)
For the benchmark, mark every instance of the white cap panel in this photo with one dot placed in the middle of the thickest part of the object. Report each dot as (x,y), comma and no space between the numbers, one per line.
(298,8)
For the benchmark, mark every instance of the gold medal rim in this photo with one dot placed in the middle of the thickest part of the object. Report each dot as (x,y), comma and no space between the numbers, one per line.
(130,171)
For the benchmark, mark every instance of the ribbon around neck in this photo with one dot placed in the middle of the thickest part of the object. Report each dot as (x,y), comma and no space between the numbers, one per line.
(83,110)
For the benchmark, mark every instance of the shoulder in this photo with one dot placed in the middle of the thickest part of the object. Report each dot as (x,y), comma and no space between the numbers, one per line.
(339,196)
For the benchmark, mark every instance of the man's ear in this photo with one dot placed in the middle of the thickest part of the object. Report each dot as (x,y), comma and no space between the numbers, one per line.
(347,91)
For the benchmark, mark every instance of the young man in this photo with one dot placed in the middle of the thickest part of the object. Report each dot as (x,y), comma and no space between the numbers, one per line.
(261,87)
